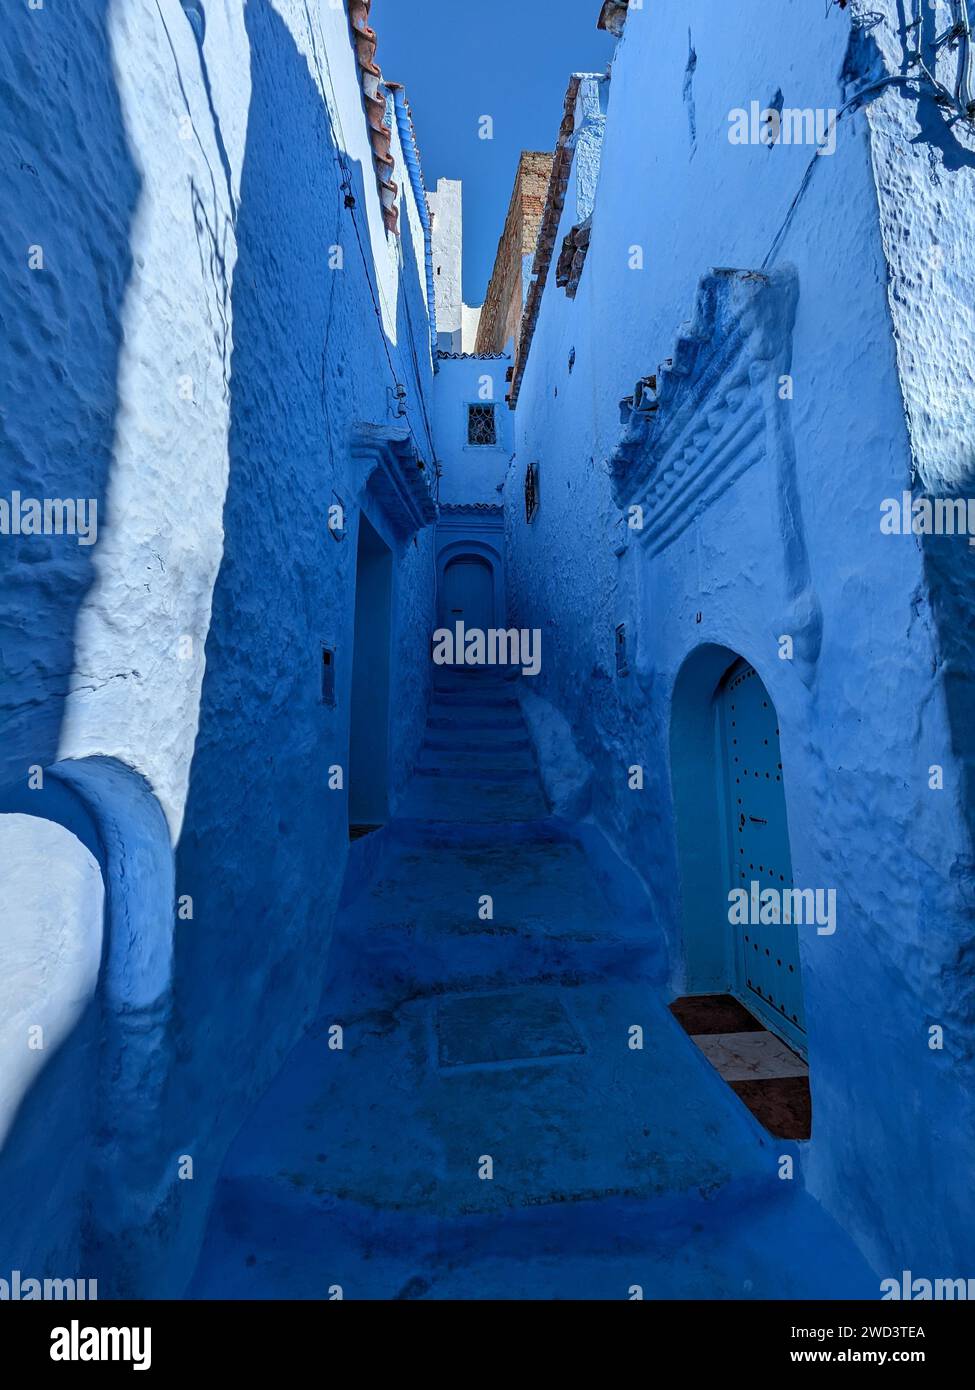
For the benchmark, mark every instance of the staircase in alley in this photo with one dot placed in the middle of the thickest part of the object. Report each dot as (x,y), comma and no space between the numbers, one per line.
(489,1128)
(476,761)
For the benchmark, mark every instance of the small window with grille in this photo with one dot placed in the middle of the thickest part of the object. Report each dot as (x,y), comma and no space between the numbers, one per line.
(622,662)
(531,491)
(482,429)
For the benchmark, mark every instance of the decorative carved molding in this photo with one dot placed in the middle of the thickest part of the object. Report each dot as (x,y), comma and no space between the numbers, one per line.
(700,422)
(397,478)
(711,412)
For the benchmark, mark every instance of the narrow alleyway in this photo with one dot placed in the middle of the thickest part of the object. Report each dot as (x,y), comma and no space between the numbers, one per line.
(468,1037)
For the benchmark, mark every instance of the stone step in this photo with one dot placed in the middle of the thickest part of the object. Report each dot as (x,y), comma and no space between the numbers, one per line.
(465,954)
(539,829)
(470,757)
(456,737)
(537,1074)
(459,740)
(481,700)
(475,675)
(483,773)
(687,1246)
(469,685)
(474,721)
(469,802)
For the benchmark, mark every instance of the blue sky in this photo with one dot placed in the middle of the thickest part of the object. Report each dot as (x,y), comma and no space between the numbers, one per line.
(502,58)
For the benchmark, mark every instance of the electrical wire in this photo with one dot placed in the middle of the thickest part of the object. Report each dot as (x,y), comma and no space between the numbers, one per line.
(963,86)
(961,98)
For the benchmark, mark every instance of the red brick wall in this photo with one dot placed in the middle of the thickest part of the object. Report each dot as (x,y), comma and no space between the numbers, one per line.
(501,315)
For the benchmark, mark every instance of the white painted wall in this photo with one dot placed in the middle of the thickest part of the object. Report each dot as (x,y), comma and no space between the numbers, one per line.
(51,906)
(456,321)
(446,205)
(470,318)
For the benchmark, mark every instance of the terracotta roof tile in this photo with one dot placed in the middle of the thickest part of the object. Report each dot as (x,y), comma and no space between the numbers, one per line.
(374,97)
(471,356)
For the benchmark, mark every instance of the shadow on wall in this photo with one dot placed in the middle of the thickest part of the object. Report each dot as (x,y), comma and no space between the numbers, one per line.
(368,764)
(65,265)
(936,128)
(414,582)
(68,212)
(947,566)
(259,854)
(102,1071)
(48,1082)
(263,845)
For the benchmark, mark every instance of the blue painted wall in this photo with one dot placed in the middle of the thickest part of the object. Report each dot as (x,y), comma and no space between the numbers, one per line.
(471,473)
(230,343)
(472,477)
(788,545)
(221,329)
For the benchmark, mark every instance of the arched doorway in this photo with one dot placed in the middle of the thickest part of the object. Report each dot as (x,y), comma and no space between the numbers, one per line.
(732,833)
(468,592)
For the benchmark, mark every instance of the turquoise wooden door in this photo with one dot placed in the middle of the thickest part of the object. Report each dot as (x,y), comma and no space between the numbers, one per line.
(766,957)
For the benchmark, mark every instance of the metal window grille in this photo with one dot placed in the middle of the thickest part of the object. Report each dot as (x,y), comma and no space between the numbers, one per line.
(531,491)
(481,427)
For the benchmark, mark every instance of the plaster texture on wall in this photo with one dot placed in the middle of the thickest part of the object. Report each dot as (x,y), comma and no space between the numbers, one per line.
(212,336)
(51,900)
(566,775)
(187,130)
(590,127)
(790,545)
(924,163)
(220,310)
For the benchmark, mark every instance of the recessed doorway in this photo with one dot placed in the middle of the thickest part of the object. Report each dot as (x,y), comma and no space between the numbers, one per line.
(369,716)
(468,593)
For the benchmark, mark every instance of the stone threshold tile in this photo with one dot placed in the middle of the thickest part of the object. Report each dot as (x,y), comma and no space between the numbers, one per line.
(755,1056)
